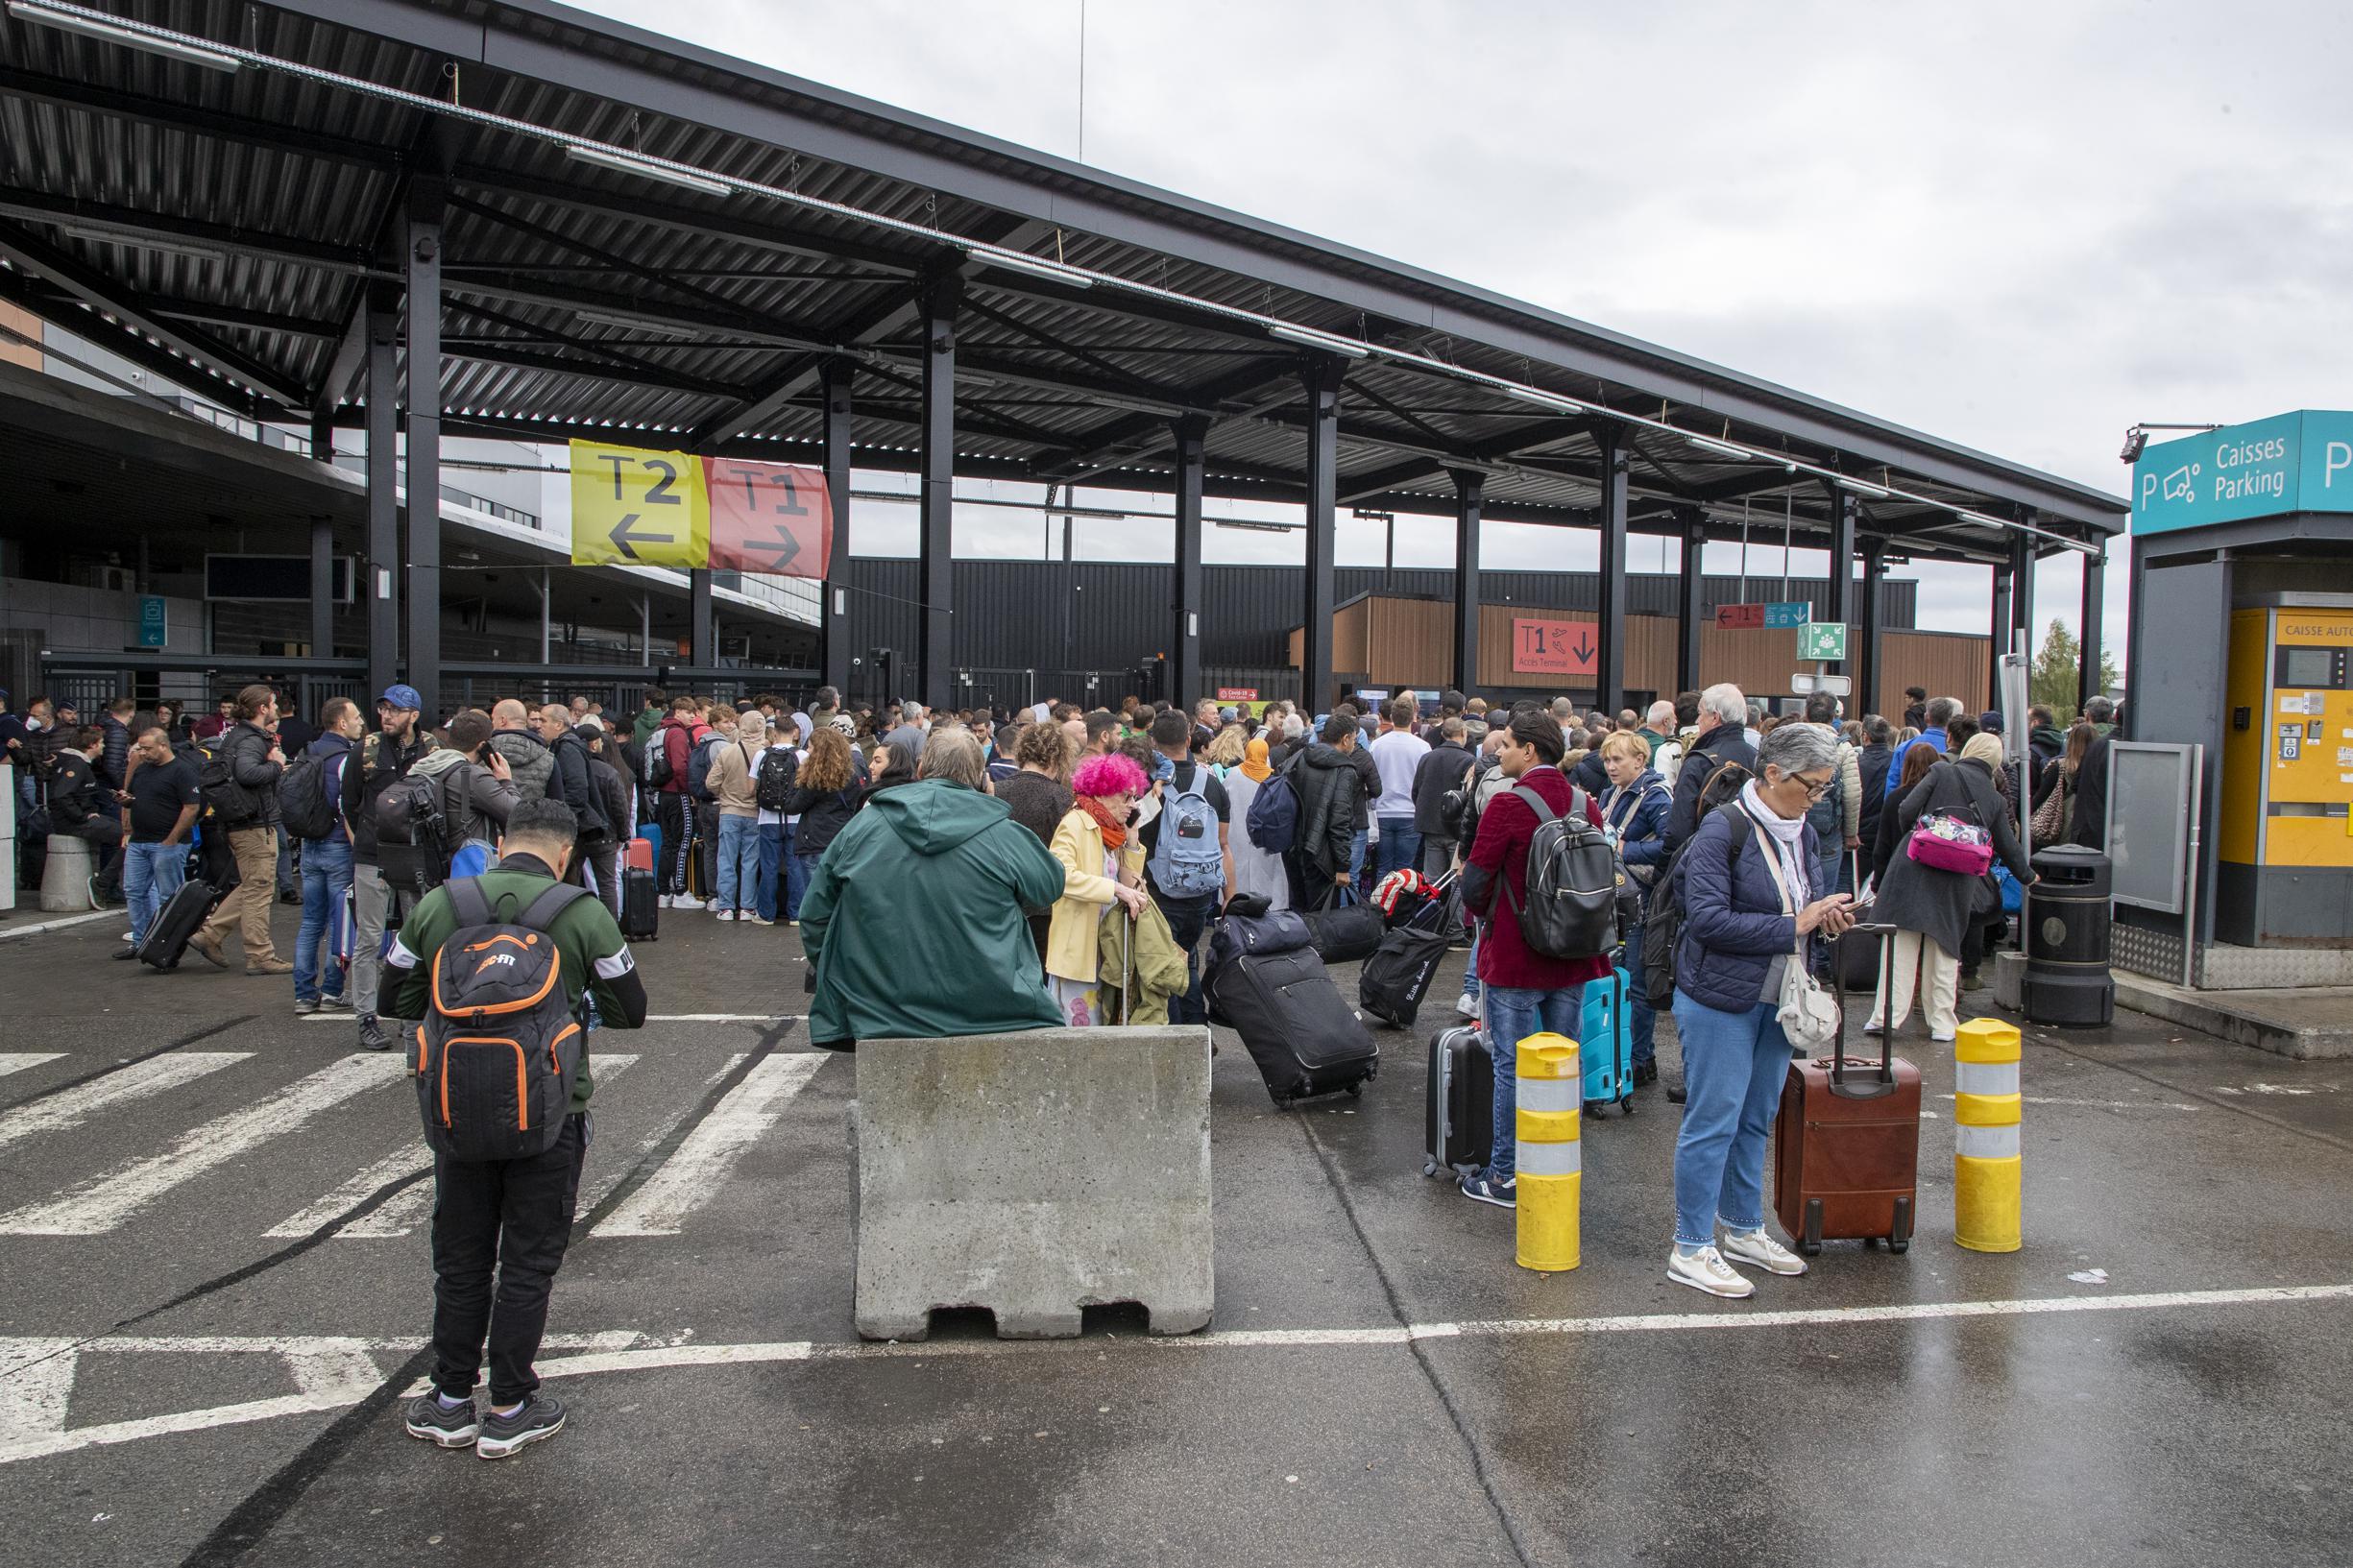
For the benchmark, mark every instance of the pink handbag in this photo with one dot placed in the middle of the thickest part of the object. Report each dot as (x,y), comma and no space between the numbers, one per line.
(1945,842)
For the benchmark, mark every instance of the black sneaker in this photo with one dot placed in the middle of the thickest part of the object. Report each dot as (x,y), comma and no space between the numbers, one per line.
(1675,1092)
(541,1416)
(124,952)
(450,1426)
(1646,1073)
(371,1035)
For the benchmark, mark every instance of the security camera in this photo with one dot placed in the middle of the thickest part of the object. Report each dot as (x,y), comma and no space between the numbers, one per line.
(2135,439)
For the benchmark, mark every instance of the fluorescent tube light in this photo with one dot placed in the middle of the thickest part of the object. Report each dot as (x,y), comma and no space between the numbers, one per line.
(1546,401)
(634,323)
(647,169)
(188,54)
(117,233)
(1309,337)
(1722,449)
(1014,261)
(1863,487)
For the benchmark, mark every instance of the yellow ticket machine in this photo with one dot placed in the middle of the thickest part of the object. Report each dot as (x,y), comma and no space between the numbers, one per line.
(2284,862)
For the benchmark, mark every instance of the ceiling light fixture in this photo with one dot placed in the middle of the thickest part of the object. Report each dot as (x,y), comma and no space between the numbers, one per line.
(1308,337)
(634,323)
(1547,400)
(1017,261)
(130,37)
(645,168)
(1722,449)
(1864,487)
(117,233)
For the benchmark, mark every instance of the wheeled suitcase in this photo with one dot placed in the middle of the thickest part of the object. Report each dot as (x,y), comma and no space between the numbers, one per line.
(1458,1109)
(1846,1144)
(1398,975)
(1345,933)
(181,917)
(1296,1025)
(640,904)
(1605,1049)
(638,855)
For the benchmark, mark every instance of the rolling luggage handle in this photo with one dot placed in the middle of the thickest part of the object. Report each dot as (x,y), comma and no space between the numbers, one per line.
(1887,1045)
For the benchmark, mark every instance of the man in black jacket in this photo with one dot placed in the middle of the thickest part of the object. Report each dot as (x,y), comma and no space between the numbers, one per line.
(1723,719)
(1331,799)
(1439,774)
(570,781)
(246,805)
(399,741)
(1878,746)
(81,806)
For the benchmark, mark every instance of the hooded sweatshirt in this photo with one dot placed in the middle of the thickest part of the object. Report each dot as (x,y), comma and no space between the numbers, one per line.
(734,768)
(912,922)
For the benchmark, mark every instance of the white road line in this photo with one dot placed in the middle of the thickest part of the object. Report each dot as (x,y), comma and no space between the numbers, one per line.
(37,1381)
(701,1165)
(71,1107)
(2104,1104)
(616,1171)
(16,1061)
(9,935)
(405,1210)
(718,1018)
(105,1202)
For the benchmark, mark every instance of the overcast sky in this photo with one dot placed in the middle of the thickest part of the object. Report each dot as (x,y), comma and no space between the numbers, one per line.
(2016,227)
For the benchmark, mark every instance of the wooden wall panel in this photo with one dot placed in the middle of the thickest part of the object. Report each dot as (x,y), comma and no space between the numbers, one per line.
(1948,664)
(1352,639)
(14,352)
(1412,643)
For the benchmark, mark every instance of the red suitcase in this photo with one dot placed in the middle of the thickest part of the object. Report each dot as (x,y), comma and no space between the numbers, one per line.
(638,855)
(1846,1146)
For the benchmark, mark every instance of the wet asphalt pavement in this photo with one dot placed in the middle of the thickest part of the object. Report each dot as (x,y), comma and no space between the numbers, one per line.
(2161,1376)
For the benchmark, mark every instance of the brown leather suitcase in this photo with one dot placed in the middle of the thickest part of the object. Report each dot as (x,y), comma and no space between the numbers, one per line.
(1846,1146)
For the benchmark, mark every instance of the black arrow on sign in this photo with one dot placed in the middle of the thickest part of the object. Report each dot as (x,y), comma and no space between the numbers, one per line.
(623,539)
(784,547)
(1584,649)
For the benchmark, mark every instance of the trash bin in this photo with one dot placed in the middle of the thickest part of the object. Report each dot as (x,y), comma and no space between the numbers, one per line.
(2067,938)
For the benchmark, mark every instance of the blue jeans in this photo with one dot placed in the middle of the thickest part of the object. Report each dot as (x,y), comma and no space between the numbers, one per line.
(1641,1018)
(804,872)
(1734,1065)
(1513,1014)
(1400,847)
(738,876)
(151,873)
(775,852)
(327,876)
(1356,862)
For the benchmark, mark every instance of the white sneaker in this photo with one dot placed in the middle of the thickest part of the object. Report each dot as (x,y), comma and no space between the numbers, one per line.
(1707,1271)
(1875,1028)
(1943,1039)
(1759,1248)
(1467,1006)
(666,900)
(726,914)
(713,906)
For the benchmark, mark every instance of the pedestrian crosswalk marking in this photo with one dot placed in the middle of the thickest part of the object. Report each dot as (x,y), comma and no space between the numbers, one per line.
(405,1210)
(71,1107)
(105,1202)
(702,1162)
(16,1061)
(616,1171)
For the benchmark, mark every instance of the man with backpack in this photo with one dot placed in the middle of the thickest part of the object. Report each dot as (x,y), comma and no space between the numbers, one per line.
(1533,982)
(569,781)
(508,1127)
(1330,795)
(667,758)
(1837,818)
(400,741)
(310,805)
(240,777)
(1188,854)
(1719,740)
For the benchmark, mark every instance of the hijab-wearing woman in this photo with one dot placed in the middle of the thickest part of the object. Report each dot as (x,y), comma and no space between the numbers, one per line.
(1103,860)
(1747,915)
(1255,870)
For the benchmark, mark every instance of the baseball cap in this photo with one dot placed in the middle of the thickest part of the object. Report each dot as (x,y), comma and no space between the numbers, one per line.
(1228,714)
(403,696)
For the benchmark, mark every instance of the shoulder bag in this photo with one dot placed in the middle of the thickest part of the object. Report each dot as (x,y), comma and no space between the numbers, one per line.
(1807,1014)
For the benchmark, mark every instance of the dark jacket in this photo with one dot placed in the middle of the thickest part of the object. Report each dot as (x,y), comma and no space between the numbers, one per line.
(380,761)
(678,736)
(1871,765)
(1498,861)
(1439,773)
(824,812)
(1941,905)
(2047,743)
(247,746)
(529,760)
(568,782)
(114,763)
(1037,803)
(612,794)
(2090,824)
(1725,744)
(1367,780)
(1590,774)
(1638,814)
(1733,925)
(1331,807)
(76,796)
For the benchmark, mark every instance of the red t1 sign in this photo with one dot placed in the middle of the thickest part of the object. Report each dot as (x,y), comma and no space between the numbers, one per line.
(1553,647)
(1237,694)
(768,516)
(1740,617)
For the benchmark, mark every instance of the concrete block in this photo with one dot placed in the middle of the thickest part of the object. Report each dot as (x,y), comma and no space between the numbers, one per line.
(2010,981)
(65,877)
(1033,1174)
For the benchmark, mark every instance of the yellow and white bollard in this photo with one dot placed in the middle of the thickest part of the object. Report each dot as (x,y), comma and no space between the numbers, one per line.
(1986,1159)
(1550,1086)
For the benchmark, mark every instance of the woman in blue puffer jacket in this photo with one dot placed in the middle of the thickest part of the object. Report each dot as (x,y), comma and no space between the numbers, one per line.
(1750,906)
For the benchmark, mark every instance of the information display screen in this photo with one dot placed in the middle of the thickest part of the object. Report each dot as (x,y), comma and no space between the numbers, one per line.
(2307,667)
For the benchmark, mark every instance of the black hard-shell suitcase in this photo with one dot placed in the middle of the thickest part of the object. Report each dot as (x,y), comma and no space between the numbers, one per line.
(1856,963)
(640,905)
(1299,1029)
(1459,1107)
(181,917)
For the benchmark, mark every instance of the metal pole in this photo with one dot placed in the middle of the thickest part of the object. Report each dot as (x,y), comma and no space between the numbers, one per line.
(1846,514)
(1321,379)
(1469,503)
(646,629)
(423,255)
(381,558)
(1191,432)
(1610,658)
(935,565)
(1690,607)
(2095,583)
(836,628)
(543,584)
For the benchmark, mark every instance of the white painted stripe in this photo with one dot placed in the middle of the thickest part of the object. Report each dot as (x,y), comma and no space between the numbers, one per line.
(71,1107)
(37,1383)
(2104,1104)
(1550,1094)
(1985,1078)
(1550,1159)
(701,1165)
(719,1018)
(1985,1143)
(616,1171)
(10,933)
(16,1353)
(103,1203)
(35,1446)
(16,1061)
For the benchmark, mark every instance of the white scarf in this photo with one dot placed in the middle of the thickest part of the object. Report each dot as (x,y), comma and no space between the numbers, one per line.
(1790,832)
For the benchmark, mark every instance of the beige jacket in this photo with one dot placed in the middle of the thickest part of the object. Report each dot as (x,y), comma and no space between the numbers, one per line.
(733,777)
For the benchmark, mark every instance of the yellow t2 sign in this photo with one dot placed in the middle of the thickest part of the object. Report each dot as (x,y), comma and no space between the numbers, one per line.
(632,507)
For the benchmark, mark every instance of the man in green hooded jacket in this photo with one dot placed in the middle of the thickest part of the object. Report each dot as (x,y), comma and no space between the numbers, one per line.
(912,922)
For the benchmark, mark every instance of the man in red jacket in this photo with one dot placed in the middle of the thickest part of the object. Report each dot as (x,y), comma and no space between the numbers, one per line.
(1528,993)
(674,809)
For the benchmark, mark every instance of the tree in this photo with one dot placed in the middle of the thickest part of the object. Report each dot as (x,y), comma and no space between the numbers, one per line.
(2053,680)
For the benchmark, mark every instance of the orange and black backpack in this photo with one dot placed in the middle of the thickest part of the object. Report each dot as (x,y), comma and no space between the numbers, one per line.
(499,1047)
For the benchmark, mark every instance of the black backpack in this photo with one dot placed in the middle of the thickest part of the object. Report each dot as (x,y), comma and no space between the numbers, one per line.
(772,778)
(412,834)
(305,809)
(699,757)
(1573,882)
(1663,926)
(1273,819)
(657,762)
(226,802)
(499,1045)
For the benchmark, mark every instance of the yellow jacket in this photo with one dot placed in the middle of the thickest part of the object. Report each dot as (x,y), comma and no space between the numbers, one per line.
(1072,947)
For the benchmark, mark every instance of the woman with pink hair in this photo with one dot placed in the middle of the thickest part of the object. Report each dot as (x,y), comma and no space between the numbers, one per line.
(1102,862)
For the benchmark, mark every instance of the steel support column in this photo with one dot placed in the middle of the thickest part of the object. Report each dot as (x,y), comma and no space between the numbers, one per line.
(1846,512)
(1190,433)
(1999,630)
(1321,379)
(423,257)
(935,528)
(1869,658)
(834,661)
(322,589)
(2022,593)
(2094,608)
(1689,608)
(1610,658)
(380,562)
(1470,504)
(702,626)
